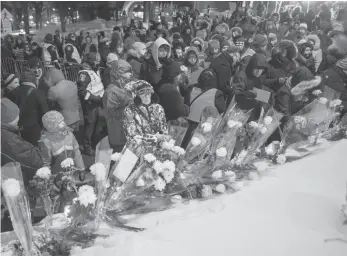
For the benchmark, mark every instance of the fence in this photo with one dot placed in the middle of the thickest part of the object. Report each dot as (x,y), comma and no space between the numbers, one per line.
(12,66)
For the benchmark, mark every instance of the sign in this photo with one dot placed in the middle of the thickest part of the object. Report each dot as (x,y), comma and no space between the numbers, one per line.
(6,21)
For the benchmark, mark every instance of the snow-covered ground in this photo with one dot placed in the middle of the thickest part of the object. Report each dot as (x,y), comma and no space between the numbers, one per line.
(290,211)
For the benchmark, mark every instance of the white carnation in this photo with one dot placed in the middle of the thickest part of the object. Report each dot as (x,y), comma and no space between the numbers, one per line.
(158,167)
(86,195)
(221,152)
(232,124)
(317,92)
(116,157)
(44,173)
(262,166)
(159,184)
(269,150)
(99,171)
(206,191)
(167,145)
(207,127)
(311,139)
(281,159)
(140,182)
(263,130)
(323,100)
(241,157)
(149,158)
(237,186)
(11,187)
(253,176)
(67,163)
(253,125)
(178,150)
(168,175)
(169,165)
(220,188)
(335,103)
(196,141)
(217,174)
(268,120)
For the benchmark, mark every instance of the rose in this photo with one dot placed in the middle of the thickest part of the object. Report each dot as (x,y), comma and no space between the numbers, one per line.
(207,127)
(196,141)
(323,100)
(269,150)
(149,158)
(67,163)
(232,123)
(281,159)
(221,152)
(268,120)
(263,130)
(99,171)
(116,157)
(11,187)
(220,188)
(217,174)
(44,173)
(168,145)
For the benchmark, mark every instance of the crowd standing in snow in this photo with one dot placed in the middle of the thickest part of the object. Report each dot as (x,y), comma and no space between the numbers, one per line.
(133,83)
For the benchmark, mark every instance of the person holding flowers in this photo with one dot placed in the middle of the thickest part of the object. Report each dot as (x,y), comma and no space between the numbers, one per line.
(58,143)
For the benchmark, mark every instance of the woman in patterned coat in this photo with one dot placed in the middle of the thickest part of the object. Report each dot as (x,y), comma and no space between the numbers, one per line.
(145,116)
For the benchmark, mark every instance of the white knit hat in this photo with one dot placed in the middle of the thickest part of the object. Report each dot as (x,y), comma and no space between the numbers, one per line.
(303,25)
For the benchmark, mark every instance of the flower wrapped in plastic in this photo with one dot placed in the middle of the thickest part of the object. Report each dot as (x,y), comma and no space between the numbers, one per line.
(224,141)
(177,130)
(258,132)
(203,135)
(337,131)
(18,205)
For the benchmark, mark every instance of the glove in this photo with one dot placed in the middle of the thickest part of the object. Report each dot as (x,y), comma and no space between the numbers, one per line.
(250,94)
(82,175)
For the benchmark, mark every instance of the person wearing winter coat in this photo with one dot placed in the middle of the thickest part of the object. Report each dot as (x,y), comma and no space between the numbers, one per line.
(212,52)
(210,96)
(131,39)
(103,48)
(13,147)
(6,47)
(152,69)
(32,104)
(106,74)
(115,100)
(304,57)
(187,34)
(177,52)
(58,143)
(63,97)
(88,47)
(136,57)
(71,51)
(10,82)
(191,61)
(145,116)
(172,90)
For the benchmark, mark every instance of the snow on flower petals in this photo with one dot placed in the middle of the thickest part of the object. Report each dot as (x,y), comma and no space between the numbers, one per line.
(221,152)
(268,120)
(44,173)
(207,127)
(67,163)
(86,195)
(116,157)
(11,187)
(196,141)
(281,159)
(149,158)
(99,171)
(178,150)
(159,184)
(323,100)
(168,175)
(232,124)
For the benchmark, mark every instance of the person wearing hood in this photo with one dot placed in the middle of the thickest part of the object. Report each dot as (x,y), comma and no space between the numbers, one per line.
(115,100)
(63,97)
(152,69)
(71,51)
(6,47)
(212,51)
(187,34)
(49,51)
(298,34)
(210,96)
(177,52)
(32,104)
(246,80)
(88,47)
(172,88)
(144,117)
(90,92)
(136,57)
(191,61)
(106,75)
(58,143)
(304,57)
(35,65)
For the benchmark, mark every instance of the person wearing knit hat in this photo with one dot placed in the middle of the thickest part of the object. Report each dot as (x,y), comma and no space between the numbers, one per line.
(111,57)
(213,50)
(55,136)
(302,31)
(11,81)
(136,57)
(9,112)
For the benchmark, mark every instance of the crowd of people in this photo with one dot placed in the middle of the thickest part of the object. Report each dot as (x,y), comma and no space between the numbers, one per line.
(132,84)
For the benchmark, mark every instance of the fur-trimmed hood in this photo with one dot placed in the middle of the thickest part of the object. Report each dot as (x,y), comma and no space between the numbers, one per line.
(315,39)
(201,42)
(222,28)
(306,85)
(285,46)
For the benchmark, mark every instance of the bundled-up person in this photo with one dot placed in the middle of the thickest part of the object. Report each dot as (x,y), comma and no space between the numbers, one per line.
(58,143)
(115,100)
(70,49)
(13,147)
(172,88)
(63,97)
(187,34)
(10,82)
(58,43)
(88,47)
(103,48)
(32,104)
(90,91)
(49,51)
(136,56)
(191,61)
(145,116)
(259,45)
(212,51)
(36,50)
(178,51)
(304,57)
(210,96)
(106,74)
(152,69)
(19,48)
(131,39)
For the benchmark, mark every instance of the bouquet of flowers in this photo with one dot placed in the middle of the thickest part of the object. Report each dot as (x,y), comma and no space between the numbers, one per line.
(18,206)
(258,132)
(338,131)
(202,138)
(225,138)
(177,130)
(273,152)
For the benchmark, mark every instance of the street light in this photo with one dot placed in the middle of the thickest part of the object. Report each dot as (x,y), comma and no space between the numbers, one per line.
(53,9)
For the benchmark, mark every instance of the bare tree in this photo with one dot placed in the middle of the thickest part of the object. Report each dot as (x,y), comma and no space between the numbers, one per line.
(63,9)
(38,14)
(25,8)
